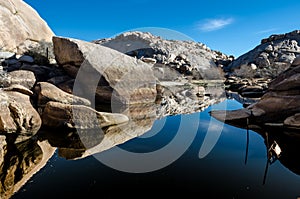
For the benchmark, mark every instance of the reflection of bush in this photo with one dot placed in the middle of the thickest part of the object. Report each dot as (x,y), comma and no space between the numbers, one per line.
(42,52)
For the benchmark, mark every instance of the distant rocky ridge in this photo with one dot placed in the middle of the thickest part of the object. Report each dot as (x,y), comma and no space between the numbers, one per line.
(187,57)
(273,56)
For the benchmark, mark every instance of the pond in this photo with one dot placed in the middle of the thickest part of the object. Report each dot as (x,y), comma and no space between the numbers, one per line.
(213,160)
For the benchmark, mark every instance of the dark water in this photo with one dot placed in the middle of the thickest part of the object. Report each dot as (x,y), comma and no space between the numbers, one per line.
(225,172)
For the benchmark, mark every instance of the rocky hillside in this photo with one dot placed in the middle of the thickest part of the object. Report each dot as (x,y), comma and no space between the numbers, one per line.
(21,27)
(273,56)
(186,57)
(279,106)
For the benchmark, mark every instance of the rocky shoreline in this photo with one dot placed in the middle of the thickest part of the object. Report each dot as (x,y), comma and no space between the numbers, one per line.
(46,78)
(45,98)
(279,106)
(86,97)
(45,95)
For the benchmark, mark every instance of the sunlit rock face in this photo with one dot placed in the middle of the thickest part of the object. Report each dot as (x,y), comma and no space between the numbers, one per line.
(107,74)
(67,116)
(23,78)
(18,115)
(47,92)
(21,26)
(19,162)
(186,57)
(273,56)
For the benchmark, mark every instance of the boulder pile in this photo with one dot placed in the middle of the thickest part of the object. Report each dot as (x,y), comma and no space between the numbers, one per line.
(279,106)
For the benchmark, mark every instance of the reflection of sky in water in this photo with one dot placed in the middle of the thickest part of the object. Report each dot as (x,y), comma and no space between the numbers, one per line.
(222,172)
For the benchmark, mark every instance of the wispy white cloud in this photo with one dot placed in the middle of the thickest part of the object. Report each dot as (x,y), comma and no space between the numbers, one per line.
(215,24)
(266,31)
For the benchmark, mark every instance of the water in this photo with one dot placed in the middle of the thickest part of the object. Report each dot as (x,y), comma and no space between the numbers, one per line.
(225,171)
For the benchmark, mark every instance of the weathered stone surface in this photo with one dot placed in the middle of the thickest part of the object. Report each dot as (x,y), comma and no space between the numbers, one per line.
(122,78)
(20,89)
(17,114)
(48,92)
(20,24)
(172,53)
(232,116)
(7,123)
(142,118)
(280,105)
(273,107)
(273,56)
(22,77)
(59,115)
(293,121)
(287,81)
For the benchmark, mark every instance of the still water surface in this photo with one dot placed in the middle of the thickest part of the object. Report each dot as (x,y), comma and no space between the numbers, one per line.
(227,171)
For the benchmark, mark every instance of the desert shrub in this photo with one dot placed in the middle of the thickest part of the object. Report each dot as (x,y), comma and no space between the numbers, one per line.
(42,53)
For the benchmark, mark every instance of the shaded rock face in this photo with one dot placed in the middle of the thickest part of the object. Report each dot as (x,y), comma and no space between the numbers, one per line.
(21,26)
(279,106)
(273,56)
(186,57)
(19,162)
(105,74)
(282,99)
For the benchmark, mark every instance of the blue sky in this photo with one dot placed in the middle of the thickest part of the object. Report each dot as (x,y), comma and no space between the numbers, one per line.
(232,27)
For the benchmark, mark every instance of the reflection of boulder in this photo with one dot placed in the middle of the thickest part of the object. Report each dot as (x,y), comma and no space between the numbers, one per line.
(281,143)
(72,144)
(20,162)
(83,143)
(187,97)
(115,135)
